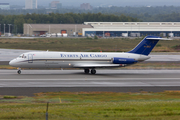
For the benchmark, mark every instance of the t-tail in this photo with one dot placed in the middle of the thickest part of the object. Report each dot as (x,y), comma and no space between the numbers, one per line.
(147,45)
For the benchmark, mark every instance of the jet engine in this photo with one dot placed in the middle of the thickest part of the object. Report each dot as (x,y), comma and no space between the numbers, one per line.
(117,60)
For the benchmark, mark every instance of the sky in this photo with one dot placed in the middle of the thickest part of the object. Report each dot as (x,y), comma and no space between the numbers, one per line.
(101,2)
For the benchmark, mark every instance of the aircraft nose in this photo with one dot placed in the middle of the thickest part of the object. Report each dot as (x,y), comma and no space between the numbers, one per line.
(12,63)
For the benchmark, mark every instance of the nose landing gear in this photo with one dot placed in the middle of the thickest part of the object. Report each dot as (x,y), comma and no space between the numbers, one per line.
(19,71)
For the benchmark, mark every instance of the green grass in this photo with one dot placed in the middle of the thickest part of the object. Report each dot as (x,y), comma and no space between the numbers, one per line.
(7,67)
(9,97)
(94,105)
(84,44)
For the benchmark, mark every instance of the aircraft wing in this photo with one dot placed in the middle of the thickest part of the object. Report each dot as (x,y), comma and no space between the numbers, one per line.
(96,65)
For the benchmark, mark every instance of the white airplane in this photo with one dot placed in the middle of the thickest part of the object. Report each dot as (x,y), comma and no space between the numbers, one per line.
(86,60)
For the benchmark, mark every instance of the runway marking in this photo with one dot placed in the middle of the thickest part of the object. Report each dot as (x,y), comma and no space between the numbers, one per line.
(90,79)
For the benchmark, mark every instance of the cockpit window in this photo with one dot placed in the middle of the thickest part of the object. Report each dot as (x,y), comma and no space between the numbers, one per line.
(22,56)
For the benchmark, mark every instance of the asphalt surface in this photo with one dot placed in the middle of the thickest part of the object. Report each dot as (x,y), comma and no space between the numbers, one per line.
(34,81)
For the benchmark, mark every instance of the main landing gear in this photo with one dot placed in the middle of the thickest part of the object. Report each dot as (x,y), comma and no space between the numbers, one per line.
(19,71)
(93,71)
(86,71)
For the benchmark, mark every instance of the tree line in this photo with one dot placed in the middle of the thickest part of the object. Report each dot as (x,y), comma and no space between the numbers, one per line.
(145,14)
(17,21)
(154,10)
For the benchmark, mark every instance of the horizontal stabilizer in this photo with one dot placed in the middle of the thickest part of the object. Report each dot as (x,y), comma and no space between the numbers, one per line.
(158,39)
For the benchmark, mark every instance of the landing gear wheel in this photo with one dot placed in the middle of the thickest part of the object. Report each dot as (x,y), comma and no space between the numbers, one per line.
(19,71)
(86,71)
(93,71)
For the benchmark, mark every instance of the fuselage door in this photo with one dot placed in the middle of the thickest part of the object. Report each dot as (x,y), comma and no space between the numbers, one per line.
(30,58)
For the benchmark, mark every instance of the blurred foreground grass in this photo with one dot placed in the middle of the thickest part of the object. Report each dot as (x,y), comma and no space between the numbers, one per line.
(94,105)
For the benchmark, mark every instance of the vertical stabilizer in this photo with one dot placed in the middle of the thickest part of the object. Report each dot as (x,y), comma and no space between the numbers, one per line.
(146,45)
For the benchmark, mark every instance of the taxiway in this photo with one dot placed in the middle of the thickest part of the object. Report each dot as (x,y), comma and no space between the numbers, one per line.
(33,81)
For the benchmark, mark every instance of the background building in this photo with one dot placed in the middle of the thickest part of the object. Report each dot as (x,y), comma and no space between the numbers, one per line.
(133,29)
(86,6)
(55,5)
(31,4)
(40,29)
(108,29)
(5,6)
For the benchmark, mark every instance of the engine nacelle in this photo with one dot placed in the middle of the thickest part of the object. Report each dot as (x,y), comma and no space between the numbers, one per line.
(117,60)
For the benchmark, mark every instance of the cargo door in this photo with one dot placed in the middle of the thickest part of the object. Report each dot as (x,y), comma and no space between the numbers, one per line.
(30,58)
